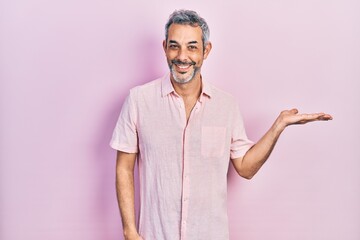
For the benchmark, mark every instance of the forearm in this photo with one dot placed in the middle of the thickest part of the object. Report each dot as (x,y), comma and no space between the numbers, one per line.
(126,195)
(256,156)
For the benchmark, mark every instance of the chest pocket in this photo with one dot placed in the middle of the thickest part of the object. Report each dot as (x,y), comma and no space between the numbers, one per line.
(213,141)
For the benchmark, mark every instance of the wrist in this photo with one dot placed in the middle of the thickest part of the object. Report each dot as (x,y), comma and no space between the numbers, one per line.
(278,126)
(130,233)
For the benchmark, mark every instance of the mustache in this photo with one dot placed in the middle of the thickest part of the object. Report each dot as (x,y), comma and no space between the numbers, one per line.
(178,62)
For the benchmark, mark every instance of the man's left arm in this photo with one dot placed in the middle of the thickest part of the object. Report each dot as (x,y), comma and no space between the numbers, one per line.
(248,165)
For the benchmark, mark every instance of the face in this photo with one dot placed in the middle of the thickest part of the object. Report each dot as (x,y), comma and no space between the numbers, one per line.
(185,52)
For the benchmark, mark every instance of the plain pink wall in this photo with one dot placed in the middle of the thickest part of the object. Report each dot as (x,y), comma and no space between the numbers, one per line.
(66,67)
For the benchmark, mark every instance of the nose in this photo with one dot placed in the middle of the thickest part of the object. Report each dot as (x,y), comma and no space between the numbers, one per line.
(182,55)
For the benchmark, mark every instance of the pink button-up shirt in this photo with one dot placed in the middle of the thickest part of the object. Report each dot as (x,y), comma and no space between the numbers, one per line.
(182,165)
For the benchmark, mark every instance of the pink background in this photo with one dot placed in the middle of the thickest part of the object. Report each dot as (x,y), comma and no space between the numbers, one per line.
(66,67)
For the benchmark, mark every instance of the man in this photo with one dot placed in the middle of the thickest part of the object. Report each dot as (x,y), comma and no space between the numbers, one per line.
(184,131)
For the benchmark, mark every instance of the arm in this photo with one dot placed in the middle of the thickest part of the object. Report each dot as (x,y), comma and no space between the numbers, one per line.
(125,193)
(252,161)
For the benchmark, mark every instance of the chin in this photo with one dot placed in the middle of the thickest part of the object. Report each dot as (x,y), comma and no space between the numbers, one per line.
(183,78)
(179,78)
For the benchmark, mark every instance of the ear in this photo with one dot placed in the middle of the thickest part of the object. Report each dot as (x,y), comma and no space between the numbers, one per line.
(207,49)
(164,45)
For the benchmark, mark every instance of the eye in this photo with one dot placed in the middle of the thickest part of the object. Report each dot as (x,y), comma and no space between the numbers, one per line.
(173,46)
(192,47)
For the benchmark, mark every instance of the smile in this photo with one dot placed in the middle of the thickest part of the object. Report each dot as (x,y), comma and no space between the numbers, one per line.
(183,67)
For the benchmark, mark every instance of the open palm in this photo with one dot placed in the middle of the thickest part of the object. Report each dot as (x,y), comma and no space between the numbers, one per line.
(291,117)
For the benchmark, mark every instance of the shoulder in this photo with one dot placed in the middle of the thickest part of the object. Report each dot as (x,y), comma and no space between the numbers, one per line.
(147,90)
(149,86)
(219,95)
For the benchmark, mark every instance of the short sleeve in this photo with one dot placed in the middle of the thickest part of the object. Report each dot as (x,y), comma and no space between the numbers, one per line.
(124,137)
(240,143)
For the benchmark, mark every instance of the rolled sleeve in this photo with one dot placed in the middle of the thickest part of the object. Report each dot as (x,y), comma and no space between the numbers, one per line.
(240,143)
(124,137)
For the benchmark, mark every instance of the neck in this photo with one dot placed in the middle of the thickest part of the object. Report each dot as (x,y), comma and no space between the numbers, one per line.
(191,89)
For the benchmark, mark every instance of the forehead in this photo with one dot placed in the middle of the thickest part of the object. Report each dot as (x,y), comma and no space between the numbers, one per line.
(184,33)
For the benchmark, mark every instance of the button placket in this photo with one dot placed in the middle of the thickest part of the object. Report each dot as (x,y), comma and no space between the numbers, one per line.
(186,176)
(185,193)
(186,183)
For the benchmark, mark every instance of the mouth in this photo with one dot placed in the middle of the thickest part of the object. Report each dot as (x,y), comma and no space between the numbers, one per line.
(182,67)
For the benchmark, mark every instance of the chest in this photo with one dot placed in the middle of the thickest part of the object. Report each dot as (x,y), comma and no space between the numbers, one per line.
(189,106)
(167,120)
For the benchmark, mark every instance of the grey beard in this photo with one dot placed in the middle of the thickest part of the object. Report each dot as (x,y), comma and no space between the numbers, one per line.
(181,80)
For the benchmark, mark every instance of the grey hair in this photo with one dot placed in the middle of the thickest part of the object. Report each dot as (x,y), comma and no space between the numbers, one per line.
(188,17)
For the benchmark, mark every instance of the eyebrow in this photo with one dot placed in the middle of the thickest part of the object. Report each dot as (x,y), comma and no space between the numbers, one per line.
(191,42)
(173,41)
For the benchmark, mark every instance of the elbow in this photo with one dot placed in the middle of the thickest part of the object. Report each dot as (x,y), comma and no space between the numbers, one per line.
(246,168)
(248,175)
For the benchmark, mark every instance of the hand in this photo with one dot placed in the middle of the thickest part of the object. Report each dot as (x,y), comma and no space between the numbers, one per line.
(291,117)
(138,237)
(133,236)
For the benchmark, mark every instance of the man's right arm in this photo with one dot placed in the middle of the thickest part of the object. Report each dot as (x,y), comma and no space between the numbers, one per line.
(125,193)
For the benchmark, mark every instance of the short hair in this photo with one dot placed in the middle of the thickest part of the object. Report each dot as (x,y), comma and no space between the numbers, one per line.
(188,17)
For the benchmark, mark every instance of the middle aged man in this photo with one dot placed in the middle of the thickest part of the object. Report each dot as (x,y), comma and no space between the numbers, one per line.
(184,131)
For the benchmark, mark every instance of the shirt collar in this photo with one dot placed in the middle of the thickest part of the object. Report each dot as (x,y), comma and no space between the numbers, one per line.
(206,90)
(167,88)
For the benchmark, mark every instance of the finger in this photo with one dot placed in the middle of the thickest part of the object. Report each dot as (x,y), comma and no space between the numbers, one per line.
(317,116)
(325,117)
(304,118)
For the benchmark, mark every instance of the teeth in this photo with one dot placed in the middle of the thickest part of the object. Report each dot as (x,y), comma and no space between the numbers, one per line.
(183,66)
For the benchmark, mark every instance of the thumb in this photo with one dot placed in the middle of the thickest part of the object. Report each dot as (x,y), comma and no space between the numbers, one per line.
(294,111)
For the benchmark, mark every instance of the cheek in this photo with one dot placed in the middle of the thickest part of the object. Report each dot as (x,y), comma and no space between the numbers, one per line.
(198,60)
(170,55)
(197,57)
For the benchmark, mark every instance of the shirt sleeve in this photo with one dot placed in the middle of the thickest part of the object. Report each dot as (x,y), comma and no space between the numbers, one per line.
(240,143)
(124,137)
